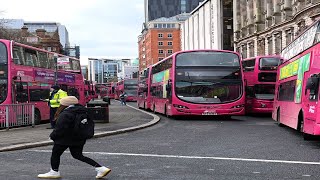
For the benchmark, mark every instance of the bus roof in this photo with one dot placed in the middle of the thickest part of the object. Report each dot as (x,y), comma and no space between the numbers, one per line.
(304,41)
(197,50)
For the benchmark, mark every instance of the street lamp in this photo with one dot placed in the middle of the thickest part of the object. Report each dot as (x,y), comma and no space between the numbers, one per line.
(55,57)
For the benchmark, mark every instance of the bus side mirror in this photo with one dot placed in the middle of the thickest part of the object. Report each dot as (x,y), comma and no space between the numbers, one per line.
(312,82)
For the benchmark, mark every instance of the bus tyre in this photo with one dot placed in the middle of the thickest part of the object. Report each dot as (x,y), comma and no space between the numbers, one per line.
(37,117)
(154,109)
(278,118)
(144,105)
(166,111)
(306,137)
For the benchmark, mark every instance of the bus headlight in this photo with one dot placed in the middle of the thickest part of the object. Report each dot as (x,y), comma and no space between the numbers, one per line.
(180,106)
(238,106)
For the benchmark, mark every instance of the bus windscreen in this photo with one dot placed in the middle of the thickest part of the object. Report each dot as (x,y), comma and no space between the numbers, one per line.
(269,63)
(3,72)
(208,77)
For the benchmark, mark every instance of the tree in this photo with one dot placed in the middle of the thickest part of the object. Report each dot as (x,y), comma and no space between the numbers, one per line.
(10,34)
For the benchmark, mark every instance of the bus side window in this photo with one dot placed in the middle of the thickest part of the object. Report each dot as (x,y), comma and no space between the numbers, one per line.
(313,87)
(22,92)
(73,92)
(18,56)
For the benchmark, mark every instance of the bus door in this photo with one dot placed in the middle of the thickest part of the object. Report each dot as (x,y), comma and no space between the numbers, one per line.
(311,97)
(20,92)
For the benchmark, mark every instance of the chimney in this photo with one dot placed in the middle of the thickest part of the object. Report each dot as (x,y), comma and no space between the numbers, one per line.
(41,33)
(24,31)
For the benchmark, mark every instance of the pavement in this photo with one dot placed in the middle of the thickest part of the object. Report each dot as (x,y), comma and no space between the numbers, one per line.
(122,119)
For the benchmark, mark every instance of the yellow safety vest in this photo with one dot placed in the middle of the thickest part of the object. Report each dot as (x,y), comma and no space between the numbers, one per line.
(55,101)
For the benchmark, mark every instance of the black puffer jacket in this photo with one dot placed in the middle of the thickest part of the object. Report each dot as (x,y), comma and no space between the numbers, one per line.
(63,132)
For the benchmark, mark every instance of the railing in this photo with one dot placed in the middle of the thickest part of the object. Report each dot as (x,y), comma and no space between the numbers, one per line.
(14,115)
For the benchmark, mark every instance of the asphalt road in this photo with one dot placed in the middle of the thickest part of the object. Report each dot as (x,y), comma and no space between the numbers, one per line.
(238,148)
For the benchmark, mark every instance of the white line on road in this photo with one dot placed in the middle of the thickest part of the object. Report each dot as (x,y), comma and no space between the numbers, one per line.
(195,157)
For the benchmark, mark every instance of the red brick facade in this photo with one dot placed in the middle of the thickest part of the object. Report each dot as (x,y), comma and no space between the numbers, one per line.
(156,44)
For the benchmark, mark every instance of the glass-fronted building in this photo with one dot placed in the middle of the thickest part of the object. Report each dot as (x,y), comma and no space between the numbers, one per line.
(155,9)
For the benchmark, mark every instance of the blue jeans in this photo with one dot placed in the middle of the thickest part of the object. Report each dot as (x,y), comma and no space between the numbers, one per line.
(123,101)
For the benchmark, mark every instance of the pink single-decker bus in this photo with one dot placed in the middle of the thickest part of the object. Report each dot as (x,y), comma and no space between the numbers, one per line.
(198,82)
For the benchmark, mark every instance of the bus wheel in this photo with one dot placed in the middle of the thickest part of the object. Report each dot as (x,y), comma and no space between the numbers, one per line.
(166,111)
(154,109)
(37,117)
(278,118)
(144,105)
(306,136)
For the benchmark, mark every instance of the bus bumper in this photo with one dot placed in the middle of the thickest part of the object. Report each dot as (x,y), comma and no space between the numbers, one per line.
(209,112)
(261,110)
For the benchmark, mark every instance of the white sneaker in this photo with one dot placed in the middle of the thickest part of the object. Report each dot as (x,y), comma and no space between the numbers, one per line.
(50,175)
(102,172)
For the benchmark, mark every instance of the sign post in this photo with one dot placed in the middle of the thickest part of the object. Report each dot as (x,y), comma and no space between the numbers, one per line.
(55,68)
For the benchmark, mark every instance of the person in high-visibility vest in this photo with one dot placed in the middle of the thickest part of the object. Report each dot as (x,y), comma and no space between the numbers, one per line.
(56,94)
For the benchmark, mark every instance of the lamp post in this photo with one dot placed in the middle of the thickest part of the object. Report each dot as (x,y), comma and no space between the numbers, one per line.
(55,57)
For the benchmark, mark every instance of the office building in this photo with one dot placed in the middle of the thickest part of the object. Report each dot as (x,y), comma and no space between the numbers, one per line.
(265,27)
(210,26)
(159,39)
(155,9)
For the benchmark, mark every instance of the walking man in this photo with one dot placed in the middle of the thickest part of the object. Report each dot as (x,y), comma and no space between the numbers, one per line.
(123,96)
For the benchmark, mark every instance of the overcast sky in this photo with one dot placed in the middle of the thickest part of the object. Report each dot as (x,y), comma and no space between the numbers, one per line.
(106,28)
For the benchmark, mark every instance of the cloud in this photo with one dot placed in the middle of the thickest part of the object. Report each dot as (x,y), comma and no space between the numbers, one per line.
(100,27)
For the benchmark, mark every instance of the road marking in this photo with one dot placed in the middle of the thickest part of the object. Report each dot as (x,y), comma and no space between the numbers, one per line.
(194,157)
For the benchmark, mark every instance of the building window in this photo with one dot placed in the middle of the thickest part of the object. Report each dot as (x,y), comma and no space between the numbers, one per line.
(160,59)
(54,49)
(251,49)
(169,35)
(49,48)
(270,49)
(160,51)
(160,35)
(278,43)
(170,51)
(160,43)
(289,36)
(170,43)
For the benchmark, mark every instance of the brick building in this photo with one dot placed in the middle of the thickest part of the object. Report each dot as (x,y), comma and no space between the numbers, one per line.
(159,39)
(265,27)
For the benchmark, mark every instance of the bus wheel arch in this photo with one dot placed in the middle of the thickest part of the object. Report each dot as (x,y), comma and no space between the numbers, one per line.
(278,117)
(37,116)
(300,127)
(166,110)
(154,108)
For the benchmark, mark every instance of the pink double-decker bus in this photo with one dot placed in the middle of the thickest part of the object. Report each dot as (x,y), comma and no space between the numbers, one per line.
(260,77)
(130,86)
(27,73)
(297,87)
(144,97)
(198,82)
(90,90)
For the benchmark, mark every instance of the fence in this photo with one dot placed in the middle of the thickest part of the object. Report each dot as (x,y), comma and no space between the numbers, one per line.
(14,115)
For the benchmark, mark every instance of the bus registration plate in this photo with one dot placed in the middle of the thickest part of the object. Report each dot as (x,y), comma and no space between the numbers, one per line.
(209,113)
